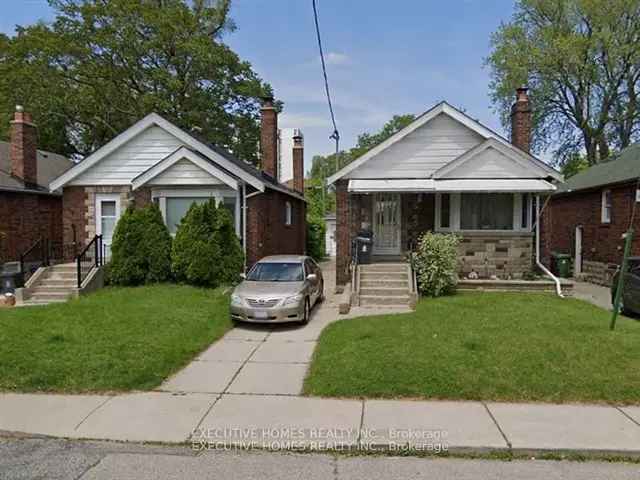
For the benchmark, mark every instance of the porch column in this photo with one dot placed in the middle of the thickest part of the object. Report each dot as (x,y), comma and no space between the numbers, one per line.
(343,240)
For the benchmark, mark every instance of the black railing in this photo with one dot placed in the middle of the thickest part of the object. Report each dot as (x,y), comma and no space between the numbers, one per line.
(89,258)
(36,256)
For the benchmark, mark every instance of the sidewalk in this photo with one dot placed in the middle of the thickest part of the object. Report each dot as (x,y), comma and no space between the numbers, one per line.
(246,389)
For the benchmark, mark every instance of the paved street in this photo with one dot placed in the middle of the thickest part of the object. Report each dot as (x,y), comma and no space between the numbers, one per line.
(30,459)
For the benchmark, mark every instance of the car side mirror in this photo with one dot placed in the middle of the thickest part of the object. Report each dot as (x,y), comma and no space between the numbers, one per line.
(243,276)
(312,277)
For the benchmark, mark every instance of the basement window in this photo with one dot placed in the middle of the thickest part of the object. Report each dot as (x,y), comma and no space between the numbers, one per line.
(606,206)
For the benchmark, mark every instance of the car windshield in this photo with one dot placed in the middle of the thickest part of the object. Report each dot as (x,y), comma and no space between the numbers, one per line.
(276,272)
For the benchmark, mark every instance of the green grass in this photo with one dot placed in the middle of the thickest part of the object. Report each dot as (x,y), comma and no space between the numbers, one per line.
(117,339)
(482,346)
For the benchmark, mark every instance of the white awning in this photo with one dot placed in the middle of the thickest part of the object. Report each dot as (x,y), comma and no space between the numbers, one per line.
(531,185)
(495,185)
(392,185)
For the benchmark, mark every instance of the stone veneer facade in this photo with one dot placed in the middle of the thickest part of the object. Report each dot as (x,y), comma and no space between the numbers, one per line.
(505,255)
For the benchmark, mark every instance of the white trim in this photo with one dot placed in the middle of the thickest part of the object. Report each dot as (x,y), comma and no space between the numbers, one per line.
(288,214)
(175,157)
(497,185)
(512,153)
(605,212)
(391,185)
(426,117)
(139,127)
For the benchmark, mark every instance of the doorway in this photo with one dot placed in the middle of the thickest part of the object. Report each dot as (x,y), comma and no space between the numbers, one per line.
(386,224)
(577,265)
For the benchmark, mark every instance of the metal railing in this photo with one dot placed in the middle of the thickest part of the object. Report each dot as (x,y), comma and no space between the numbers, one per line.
(37,255)
(89,258)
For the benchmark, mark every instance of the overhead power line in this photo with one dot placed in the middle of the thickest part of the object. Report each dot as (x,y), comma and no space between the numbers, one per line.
(335,135)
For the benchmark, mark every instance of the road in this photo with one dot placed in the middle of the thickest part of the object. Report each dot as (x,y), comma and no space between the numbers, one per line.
(54,459)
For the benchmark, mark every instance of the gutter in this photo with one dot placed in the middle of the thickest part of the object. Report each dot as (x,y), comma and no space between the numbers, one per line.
(538,262)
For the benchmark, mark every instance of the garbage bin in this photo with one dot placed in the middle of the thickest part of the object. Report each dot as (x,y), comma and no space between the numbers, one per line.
(10,277)
(362,246)
(561,264)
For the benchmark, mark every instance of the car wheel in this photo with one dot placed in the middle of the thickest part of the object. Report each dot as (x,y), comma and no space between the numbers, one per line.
(307,312)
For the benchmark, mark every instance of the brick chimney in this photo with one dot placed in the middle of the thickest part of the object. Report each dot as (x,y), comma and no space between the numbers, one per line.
(269,138)
(298,162)
(24,147)
(521,120)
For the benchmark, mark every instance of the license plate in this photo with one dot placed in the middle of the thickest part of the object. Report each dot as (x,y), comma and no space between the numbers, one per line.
(261,314)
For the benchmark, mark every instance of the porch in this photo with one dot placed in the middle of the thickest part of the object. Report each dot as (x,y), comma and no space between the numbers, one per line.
(496,228)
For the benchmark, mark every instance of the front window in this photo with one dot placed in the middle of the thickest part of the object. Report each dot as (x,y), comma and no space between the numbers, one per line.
(606,206)
(177,208)
(486,211)
(276,272)
(229,203)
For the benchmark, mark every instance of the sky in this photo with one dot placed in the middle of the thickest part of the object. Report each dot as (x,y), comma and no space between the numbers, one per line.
(383,58)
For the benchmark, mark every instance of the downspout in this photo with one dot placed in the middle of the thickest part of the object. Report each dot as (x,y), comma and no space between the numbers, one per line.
(244,223)
(538,262)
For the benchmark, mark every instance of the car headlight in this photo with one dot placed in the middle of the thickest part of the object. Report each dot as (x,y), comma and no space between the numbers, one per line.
(292,300)
(236,300)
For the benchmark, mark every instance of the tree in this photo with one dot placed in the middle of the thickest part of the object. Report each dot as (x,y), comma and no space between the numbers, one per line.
(581,61)
(104,64)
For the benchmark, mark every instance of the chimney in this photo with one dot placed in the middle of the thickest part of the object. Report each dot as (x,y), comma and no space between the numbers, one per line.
(269,138)
(24,147)
(521,120)
(298,162)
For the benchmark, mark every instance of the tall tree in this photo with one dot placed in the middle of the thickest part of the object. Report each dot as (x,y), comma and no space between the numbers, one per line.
(103,64)
(581,60)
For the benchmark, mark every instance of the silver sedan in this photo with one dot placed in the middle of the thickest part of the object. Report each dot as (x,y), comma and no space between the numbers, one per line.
(280,288)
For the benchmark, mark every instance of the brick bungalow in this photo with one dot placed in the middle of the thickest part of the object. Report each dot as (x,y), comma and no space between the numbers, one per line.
(155,161)
(588,214)
(446,172)
(28,210)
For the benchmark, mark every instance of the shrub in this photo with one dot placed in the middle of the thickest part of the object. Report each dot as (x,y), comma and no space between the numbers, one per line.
(436,263)
(316,229)
(206,250)
(141,248)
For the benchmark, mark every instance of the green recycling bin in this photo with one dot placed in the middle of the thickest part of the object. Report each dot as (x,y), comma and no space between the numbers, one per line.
(562,264)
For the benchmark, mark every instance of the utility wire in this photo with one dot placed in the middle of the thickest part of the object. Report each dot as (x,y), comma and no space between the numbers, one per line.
(335,135)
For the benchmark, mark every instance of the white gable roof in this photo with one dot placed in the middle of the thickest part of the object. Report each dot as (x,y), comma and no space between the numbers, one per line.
(492,159)
(146,125)
(429,143)
(184,167)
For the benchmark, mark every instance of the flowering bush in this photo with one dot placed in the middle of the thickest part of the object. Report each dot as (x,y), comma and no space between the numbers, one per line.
(435,261)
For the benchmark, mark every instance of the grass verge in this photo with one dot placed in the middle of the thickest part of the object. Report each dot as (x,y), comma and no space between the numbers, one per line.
(116,339)
(482,346)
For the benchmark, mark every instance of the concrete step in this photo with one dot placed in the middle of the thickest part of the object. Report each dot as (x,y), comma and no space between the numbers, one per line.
(33,303)
(372,276)
(50,296)
(384,292)
(381,283)
(46,288)
(384,267)
(52,282)
(48,275)
(402,300)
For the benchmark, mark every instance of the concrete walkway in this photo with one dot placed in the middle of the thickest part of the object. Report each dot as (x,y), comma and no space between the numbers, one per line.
(596,294)
(245,391)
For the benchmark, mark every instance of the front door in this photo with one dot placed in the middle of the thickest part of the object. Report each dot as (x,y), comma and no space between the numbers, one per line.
(107,215)
(386,224)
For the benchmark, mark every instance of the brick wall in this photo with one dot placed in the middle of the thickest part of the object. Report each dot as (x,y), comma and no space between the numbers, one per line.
(26,217)
(343,236)
(601,243)
(267,232)
(505,255)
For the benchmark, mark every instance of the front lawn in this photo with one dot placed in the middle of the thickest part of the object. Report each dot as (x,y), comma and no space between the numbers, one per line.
(116,339)
(482,346)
